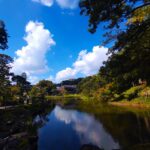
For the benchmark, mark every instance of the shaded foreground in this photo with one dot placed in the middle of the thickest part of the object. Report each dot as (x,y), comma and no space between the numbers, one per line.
(17,130)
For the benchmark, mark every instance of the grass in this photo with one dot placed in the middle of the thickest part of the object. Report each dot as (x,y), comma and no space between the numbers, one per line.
(73,99)
(138,96)
(140,102)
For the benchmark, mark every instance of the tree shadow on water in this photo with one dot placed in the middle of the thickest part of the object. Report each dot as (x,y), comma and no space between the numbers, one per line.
(90,147)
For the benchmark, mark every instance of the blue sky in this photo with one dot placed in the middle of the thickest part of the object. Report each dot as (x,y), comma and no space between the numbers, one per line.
(50,40)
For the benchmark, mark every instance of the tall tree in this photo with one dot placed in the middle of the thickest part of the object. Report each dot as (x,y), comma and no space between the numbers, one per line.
(4,77)
(23,84)
(21,80)
(5,61)
(42,89)
(46,86)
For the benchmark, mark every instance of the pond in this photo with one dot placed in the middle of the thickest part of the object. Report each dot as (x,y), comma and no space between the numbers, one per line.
(100,128)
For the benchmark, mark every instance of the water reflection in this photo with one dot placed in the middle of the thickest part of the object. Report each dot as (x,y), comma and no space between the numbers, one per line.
(40,120)
(71,129)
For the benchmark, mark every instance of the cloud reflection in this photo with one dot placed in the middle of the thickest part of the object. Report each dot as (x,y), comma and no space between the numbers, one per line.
(89,130)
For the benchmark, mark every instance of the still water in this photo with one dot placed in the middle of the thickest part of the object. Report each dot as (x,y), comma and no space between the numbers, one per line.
(66,129)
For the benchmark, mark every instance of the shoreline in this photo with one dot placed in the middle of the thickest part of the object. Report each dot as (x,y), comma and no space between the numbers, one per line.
(130,104)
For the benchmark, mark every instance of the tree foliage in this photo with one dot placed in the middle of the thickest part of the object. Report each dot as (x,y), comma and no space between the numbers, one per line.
(117,16)
(42,89)
(4,76)
(5,61)
(21,81)
(88,85)
(46,85)
(21,87)
(114,12)
(3,36)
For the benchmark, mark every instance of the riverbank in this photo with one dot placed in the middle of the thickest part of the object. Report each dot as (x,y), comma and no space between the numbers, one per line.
(67,100)
(73,99)
(138,103)
(67,96)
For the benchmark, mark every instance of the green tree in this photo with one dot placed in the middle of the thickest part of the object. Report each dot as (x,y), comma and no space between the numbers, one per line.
(46,85)
(42,89)
(21,80)
(5,61)
(15,93)
(89,85)
(23,84)
(4,77)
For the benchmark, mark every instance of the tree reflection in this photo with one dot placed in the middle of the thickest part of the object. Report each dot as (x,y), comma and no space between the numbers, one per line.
(89,147)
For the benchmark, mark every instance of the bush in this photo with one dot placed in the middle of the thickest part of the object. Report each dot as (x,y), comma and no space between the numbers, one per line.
(105,93)
(118,97)
(132,92)
(145,92)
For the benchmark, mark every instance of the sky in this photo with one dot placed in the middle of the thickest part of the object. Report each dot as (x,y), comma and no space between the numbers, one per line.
(49,39)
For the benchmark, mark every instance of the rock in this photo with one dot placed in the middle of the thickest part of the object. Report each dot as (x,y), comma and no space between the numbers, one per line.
(10,122)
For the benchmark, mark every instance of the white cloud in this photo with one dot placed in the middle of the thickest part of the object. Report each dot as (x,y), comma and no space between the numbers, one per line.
(48,3)
(87,63)
(31,58)
(66,4)
(65,74)
(71,4)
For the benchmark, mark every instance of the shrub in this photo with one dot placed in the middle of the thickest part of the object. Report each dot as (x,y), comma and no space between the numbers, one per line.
(145,92)
(105,93)
(118,97)
(132,92)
